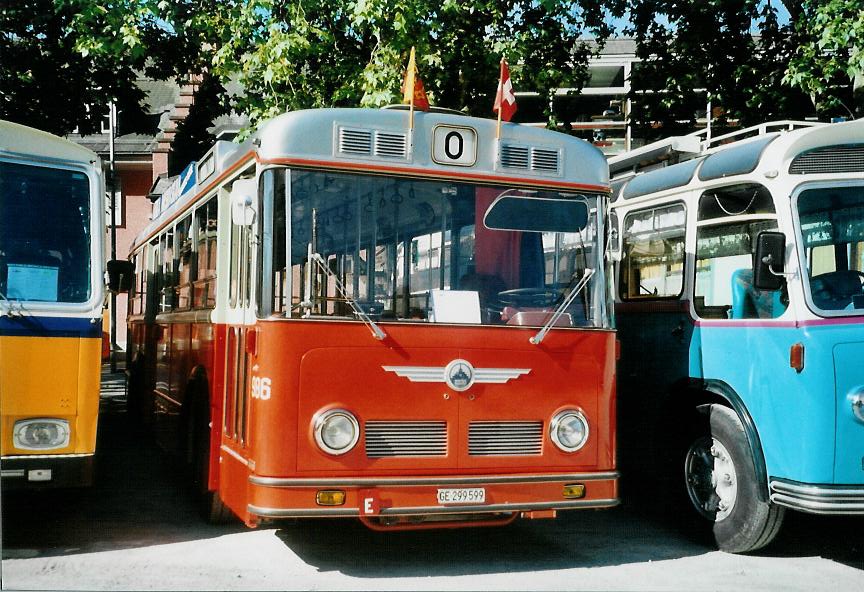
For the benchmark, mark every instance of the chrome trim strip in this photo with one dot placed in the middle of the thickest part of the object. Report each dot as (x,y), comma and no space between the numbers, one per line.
(414,481)
(12,473)
(527,507)
(436,373)
(46,456)
(300,512)
(235,454)
(421,510)
(197,315)
(818,499)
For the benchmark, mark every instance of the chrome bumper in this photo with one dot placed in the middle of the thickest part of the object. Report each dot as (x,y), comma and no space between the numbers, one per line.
(817,498)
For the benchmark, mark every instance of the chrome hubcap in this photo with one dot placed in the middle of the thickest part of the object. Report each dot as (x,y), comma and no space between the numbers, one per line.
(712,483)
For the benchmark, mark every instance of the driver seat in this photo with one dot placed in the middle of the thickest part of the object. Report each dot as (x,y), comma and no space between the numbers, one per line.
(487,287)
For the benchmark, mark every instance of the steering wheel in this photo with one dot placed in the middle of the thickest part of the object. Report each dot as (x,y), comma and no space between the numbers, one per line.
(529,297)
(828,288)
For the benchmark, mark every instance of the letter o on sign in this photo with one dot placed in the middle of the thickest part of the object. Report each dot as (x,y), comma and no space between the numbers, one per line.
(454,145)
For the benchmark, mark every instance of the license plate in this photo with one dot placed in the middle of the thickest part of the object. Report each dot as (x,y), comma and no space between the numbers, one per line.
(470,495)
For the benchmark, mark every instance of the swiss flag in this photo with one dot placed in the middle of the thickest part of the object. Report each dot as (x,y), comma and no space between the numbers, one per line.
(505,100)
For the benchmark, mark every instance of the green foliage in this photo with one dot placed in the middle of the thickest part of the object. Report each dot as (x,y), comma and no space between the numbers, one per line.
(739,55)
(831,54)
(704,50)
(294,54)
(45,79)
(314,53)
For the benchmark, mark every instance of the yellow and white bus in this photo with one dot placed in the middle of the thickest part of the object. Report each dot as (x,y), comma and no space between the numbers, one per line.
(52,239)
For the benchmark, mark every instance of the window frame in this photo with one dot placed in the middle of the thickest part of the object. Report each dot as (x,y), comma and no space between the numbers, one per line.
(622,222)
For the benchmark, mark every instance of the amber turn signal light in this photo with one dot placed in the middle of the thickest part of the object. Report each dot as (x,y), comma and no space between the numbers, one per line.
(574,491)
(329,497)
(796,357)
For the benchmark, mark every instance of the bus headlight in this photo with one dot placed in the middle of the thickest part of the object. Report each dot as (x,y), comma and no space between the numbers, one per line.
(569,430)
(336,431)
(41,434)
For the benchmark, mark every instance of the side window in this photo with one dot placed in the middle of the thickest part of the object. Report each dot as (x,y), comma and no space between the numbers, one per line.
(139,290)
(725,245)
(272,283)
(234,269)
(240,270)
(156,277)
(724,273)
(206,221)
(183,263)
(167,299)
(652,262)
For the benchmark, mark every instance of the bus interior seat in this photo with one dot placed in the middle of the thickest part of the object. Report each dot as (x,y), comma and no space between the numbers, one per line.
(751,303)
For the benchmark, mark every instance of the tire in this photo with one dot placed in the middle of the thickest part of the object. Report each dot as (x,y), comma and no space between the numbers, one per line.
(720,480)
(210,505)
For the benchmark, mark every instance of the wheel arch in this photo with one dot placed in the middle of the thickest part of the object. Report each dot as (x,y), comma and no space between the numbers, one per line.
(699,393)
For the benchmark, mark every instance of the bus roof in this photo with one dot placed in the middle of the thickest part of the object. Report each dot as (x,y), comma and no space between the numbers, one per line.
(811,147)
(382,135)
(16,139)
(379,141)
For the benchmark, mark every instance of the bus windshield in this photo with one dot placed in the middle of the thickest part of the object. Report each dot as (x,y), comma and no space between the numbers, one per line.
(44,234)
(419,250)
(832,231)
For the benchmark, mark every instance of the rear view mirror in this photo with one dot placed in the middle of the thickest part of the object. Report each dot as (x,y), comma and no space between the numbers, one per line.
(243,202)
(537,214)
(120,274)
(770,257)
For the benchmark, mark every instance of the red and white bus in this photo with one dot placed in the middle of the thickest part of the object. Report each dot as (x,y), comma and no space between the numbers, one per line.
(343,316)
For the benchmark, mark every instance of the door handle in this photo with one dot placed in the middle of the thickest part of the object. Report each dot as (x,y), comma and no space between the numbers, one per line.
(678,331)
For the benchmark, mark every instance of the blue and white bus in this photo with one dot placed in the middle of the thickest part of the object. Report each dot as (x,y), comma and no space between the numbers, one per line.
(740,309)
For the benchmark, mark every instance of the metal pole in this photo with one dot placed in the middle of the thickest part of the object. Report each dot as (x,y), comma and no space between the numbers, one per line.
(112,117)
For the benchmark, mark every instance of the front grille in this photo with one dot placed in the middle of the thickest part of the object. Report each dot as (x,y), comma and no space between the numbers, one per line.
(505,438)
(405,438)
(831,159)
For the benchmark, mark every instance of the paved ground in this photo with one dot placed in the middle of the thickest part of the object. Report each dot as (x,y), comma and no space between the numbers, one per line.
(137,529)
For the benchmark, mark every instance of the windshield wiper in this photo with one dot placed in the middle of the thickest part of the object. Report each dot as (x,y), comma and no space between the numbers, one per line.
(541,334)
(377,332)
(10,308)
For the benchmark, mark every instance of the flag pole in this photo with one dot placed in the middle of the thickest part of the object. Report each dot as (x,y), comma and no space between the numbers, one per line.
(500,99)
(412,65)
(411,109)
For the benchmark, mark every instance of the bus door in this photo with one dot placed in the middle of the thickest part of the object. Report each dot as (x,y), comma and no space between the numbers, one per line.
(235,417)
(652,316)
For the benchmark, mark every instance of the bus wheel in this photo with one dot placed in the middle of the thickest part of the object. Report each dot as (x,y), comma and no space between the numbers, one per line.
(209,503)
(721,483)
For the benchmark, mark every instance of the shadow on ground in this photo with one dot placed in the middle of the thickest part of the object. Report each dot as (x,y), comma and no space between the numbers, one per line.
(138,500)
(573,540)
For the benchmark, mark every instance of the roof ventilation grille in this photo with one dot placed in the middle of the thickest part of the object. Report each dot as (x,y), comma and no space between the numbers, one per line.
(515,157)
(353,141)
(544,160)
(390,145)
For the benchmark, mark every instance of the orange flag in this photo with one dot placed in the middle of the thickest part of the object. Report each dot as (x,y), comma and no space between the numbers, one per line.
(413,92)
